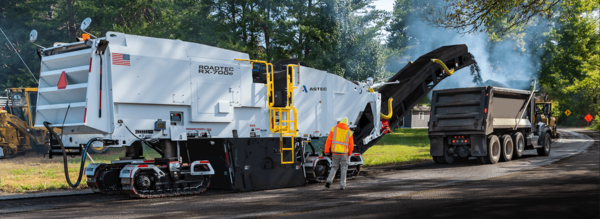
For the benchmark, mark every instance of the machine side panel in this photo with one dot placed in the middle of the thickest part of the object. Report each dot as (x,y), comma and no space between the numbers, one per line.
(157,77)
(311,97)
(348,100)
(216,88)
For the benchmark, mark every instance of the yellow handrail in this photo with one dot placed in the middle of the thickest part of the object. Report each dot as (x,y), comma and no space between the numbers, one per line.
(287,125)
(270,78)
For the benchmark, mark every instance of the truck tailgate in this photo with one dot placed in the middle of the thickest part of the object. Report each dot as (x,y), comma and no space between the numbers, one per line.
(458,110)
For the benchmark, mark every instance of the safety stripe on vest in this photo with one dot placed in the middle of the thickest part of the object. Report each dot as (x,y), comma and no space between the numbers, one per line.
(339,142)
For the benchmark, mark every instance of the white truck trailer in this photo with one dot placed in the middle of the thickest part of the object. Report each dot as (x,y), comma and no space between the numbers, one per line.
(212,117)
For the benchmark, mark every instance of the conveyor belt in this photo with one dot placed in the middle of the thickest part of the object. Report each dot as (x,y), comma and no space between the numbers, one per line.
(416,80)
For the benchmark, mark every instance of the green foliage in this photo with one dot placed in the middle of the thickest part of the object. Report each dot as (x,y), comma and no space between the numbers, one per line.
(570,69)
(596,124)
(502,16)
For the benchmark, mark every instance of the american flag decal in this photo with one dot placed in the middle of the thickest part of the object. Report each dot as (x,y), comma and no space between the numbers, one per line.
(120,59)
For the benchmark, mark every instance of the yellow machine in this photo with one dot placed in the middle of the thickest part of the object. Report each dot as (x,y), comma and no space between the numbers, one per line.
(17,133)
(543,111)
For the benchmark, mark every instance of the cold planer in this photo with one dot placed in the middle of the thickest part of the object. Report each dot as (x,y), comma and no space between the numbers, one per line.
(213,120)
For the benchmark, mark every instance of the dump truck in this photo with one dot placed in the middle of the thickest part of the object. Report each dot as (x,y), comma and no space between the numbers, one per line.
(17,134)
(490,123)
(216,117)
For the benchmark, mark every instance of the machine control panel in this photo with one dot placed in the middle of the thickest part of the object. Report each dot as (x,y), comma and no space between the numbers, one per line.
(176,118)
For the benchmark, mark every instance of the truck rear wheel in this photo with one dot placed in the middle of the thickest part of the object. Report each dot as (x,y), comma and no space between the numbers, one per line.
(493,151)
(546,145)
(446,159)
(519,143)
(507,148)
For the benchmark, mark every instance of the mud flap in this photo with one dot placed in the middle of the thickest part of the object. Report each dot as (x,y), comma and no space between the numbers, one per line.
(478,145)
(436,145)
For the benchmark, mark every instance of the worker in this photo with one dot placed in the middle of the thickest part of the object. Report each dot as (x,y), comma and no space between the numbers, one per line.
(340,143)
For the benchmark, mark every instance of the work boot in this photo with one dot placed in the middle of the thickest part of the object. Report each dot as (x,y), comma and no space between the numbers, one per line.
(327,184)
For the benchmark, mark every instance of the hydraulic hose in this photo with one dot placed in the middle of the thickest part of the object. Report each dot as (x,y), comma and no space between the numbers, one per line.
(312,148)
(64,152)
(390,110)
(439,62)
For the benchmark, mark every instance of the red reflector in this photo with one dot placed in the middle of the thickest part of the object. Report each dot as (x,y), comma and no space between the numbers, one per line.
(62,81)
(208,129)
(90,65)
(84,114)
(356,154)
(144,165)
(204,161)
(148,161)
(453,141)
(485,110)
(321,157)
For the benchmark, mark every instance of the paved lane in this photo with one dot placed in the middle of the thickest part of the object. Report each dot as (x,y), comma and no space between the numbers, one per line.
(427,191)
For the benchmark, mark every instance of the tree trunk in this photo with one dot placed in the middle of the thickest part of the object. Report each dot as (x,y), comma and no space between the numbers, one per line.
(71,26)
(306,49)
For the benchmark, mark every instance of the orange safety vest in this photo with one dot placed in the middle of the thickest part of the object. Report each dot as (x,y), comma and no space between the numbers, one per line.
(340,147)
(340,140)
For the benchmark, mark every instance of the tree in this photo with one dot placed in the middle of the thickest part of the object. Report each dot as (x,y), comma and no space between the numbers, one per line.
(570,69)
(472,16)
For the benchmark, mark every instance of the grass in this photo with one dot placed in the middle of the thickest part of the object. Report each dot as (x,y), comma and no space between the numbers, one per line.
(404,146)
(32,172)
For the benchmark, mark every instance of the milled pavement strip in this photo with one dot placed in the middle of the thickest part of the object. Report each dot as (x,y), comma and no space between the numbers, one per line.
(586,140)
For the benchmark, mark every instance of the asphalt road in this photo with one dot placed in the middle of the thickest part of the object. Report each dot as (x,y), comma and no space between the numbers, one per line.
(565,184)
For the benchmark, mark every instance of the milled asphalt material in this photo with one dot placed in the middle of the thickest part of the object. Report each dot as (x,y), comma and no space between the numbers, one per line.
(384,194)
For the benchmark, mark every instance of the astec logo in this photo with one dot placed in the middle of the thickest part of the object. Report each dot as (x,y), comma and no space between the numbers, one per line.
(313,89)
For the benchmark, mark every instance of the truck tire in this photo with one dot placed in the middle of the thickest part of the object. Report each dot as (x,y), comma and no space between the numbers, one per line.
(507,148)
(546,145)
(446,159)
(519,143)
(493,150)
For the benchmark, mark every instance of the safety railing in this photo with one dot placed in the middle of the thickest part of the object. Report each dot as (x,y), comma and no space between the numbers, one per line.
(283,120)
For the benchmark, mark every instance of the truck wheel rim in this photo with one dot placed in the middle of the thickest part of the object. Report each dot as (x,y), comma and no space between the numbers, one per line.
(520,145)
(495,149)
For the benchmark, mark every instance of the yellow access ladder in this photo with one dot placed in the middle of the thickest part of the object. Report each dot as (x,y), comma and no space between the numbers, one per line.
(283,120)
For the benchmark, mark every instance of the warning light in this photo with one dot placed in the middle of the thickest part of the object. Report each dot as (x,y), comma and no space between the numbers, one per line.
(487,94)
(453,141)
(485,110)
(465,141)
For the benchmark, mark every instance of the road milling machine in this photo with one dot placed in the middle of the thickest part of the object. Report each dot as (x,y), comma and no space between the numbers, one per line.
(17,134)
(213,118)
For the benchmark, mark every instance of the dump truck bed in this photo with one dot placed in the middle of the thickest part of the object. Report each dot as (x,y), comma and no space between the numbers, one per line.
(478,110)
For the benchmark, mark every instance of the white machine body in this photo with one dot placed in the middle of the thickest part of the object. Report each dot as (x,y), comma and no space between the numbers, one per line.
(197,90)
